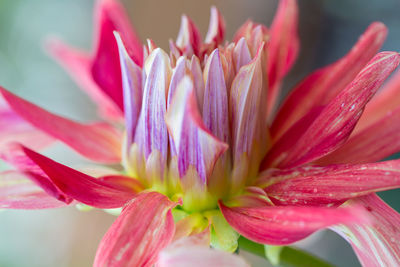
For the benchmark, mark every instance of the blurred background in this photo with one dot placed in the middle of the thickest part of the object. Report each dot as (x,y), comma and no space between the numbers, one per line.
(67,237)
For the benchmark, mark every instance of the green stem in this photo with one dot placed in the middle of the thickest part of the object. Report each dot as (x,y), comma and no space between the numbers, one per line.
(288,257)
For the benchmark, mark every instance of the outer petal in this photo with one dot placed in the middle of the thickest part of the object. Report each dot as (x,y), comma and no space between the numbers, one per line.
(100,193)
(143,229)
(105,69)
(283,47)
(330,185)
(284,225)
(215,106)
(98,142)
(18,191)
(385,102)
(379,243)
(323,85)
(132,90)
(194,144)
(198,256)
(15,129)
(377,134)
(78,65)
(337,120)
(376,142)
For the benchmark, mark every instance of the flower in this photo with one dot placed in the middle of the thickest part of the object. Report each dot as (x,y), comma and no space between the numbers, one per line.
(206,154)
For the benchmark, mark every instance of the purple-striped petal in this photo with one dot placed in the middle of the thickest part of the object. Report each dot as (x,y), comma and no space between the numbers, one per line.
(248,122)
(152,134)
(132,90)
(215,106)
(194,144)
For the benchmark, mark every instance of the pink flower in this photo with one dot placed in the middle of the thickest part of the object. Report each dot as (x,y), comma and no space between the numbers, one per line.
(207,152)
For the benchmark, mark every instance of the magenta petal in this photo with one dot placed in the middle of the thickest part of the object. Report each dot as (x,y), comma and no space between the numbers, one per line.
(194,144)
(79,186)
(199,256)
(132,90)
(329,185)
(283,47)
(215,106)
(143,229)
(110,17)
(376,142)
(324,84)
(337,120)
(276,225)
(98,142)
(376,244)
(13,128)
(19,191)
(78,65)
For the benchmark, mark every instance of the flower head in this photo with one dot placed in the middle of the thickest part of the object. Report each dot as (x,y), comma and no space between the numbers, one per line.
(206,153)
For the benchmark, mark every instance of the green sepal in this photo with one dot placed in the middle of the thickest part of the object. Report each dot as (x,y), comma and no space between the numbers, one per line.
(223,236)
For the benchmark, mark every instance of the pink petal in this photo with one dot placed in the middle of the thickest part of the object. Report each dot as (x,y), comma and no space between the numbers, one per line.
(15,129)
(19,191)
(336,121)
(143,229)
(189,39)
(152,133)
(98,142)
(216,28)
(78,65)
(199,256)
(110,16)
(323,85)
(377,244)
(215,106)
(194,144)
(132,90)
(385,102)
(98,193)
(329,185)
(283,47)
(377,134)
(276,225)
(374,143)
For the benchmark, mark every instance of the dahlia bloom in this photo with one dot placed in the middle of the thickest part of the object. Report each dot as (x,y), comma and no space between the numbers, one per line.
(197,151)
